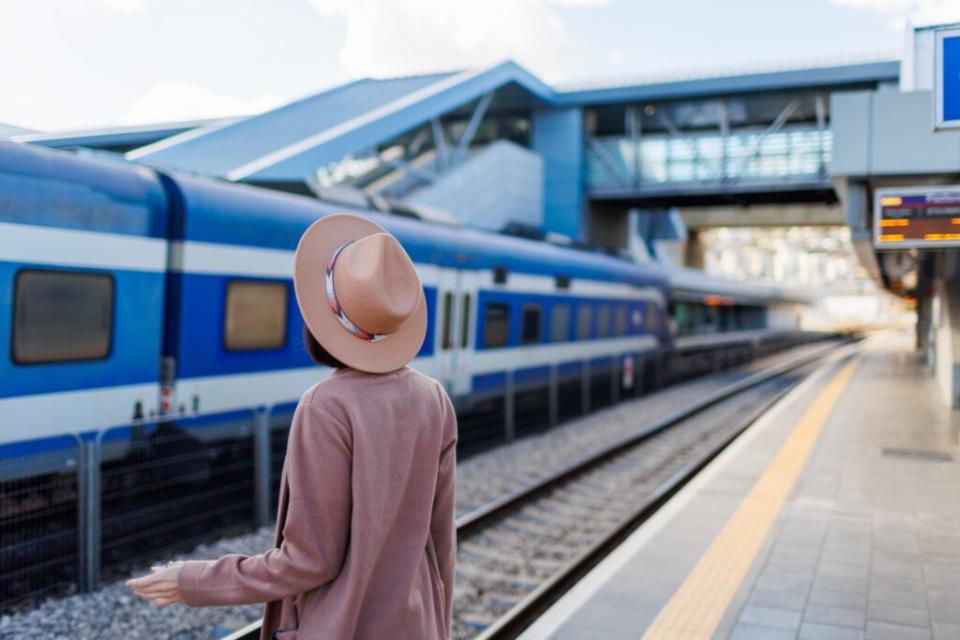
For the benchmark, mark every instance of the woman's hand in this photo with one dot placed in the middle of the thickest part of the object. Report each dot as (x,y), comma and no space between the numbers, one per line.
(160,587)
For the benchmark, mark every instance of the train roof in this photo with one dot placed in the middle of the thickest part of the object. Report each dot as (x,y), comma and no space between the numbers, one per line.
(694,285)
(250,216)
(57,189)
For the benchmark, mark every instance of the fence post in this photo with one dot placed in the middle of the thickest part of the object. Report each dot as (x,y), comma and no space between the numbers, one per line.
(554,398)
(88,483)
(261,463)
(585,387)
(509,428)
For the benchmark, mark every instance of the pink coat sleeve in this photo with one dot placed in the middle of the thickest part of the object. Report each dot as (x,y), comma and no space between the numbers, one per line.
(315,531)
(442,527)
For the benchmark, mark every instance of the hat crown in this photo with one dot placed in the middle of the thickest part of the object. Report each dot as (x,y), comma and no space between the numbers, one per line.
(376,283)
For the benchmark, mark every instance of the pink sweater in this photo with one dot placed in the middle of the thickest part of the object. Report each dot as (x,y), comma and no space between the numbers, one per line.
(365,538)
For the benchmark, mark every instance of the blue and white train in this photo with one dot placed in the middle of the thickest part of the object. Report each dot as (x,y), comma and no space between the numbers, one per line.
(131,296)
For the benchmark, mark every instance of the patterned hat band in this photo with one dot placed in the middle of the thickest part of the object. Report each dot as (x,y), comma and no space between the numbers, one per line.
(338,310)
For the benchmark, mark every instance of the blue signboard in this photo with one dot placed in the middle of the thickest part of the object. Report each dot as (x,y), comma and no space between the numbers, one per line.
(946,92)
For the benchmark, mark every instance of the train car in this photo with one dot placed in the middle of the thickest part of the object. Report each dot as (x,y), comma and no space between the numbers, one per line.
(140,297)
(503,311)
(719,322)
(83,253)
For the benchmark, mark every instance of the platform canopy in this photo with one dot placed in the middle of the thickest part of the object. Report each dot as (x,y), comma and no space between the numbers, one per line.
(290,142)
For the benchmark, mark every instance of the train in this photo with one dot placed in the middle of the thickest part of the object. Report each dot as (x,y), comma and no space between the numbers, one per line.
(139,296)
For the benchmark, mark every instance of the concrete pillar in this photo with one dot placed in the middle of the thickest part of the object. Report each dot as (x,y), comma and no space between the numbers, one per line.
(944,332)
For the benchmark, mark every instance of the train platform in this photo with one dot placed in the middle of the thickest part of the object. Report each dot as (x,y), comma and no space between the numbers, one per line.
(835,516)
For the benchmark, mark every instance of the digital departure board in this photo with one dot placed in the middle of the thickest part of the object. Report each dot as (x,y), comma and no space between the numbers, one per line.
(923,217)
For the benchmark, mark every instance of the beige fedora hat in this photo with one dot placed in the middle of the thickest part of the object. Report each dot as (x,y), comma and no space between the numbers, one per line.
(359,293)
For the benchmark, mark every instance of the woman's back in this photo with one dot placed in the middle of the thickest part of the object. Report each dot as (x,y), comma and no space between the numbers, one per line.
(398,559)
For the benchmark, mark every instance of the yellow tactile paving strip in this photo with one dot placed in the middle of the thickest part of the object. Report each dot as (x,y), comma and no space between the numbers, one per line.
(699,604)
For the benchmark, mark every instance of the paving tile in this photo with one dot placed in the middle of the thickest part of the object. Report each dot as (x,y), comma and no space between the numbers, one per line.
(782,582)
(750,631)
(778,598)
(897,583)
(848,584)
(914,599)
(899,615)
(838,598)
(946,631)
(816,631)
(771,616)
(837,616)
(887,631)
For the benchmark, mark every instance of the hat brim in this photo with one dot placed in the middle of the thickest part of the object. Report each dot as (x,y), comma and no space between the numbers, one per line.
(313,254)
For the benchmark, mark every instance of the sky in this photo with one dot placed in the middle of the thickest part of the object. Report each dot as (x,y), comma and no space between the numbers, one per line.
(74,64)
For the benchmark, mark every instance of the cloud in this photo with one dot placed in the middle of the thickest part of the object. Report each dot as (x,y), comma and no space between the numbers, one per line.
(123,6)
(919,12)
(173,101)
(397,37)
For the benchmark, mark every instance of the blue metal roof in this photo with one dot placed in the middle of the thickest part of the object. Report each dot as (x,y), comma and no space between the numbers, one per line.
(217,150)
(133,136)
(851,75)
(289,143)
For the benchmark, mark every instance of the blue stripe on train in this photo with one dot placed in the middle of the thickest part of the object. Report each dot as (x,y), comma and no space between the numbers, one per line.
(201,352)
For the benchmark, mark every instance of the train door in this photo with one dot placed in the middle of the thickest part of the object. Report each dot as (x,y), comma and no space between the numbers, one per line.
(468,282)
(448,290)
(455,300)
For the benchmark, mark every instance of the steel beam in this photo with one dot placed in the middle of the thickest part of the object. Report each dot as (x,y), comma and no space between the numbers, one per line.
(468,134)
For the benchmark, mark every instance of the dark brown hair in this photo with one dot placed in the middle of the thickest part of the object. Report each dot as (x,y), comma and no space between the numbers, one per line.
(317,353)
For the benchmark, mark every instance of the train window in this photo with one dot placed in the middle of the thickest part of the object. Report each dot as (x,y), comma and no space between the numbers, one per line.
(465,322)
(496,324)
(559,322)
(584,315)
(603,321)
(62,316)
(652,318)
(256,315)
(446,339)
(530,333)
(620,320)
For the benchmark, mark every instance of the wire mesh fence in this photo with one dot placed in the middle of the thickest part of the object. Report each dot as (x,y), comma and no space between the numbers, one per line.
(39,532)
(176,484)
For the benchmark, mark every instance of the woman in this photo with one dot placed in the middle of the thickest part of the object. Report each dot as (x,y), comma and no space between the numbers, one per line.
(365,529)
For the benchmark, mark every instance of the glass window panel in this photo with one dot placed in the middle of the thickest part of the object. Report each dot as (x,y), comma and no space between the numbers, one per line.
(465,322)
(620,321)
(584,316)
(530,333)
(559,322)
(446,333)
(496,324)
(61,316)
(256,315)
(603,321)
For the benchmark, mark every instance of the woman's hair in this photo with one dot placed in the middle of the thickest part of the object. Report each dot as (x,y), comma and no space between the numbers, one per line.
(317,353)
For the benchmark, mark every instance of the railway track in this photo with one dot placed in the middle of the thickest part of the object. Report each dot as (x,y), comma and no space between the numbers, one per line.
(518,554)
